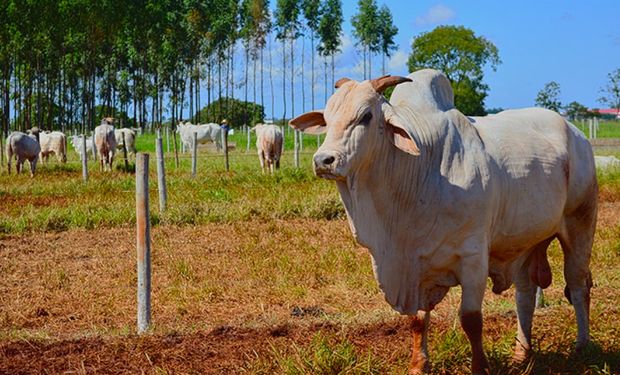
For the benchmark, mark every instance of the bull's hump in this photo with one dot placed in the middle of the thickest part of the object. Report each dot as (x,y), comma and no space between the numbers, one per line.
(428,91)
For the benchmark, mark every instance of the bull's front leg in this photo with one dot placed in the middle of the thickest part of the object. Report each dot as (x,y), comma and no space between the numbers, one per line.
(474,272)
(419,348)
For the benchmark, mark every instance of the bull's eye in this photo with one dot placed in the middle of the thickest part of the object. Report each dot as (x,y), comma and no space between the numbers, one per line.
(366,119)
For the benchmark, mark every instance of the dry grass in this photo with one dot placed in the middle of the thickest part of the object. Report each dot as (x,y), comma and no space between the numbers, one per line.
(256,280)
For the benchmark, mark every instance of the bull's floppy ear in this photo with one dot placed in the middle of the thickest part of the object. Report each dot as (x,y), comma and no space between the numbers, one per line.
(397,132)
(310,122)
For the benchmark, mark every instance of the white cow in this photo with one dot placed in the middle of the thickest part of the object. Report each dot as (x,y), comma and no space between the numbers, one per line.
(130,139)
(24,147)
(105,142)
(205,133)
(76,142)
(441,200)
(269,143)
(53,143)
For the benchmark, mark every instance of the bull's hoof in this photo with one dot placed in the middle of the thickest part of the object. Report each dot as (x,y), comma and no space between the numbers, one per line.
(521,354)
(419,366)
(582,346)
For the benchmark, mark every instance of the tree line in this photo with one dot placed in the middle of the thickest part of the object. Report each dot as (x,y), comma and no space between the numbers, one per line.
(64,64)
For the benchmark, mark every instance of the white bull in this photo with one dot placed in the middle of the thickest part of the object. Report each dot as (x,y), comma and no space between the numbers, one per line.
(105,141)
(269,143)
(204,133)
(440,200)
(24,147)
(130,139)
(76,142)
(53,143)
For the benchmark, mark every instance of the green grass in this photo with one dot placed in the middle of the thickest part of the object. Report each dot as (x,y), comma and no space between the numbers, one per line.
(607,129)
(146,142)
(57,198)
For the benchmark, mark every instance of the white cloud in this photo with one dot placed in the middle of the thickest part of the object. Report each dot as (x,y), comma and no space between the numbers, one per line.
(435,15)
(398,61)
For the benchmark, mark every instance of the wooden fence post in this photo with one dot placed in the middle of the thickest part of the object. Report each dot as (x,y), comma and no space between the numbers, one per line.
(125,152)
(161,175)
(296,150)
(143,242)
(168,139)
(247,149)
(225,136)
(84,159)
(194,153)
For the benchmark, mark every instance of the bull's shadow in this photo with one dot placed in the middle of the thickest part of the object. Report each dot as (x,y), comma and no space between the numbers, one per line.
(593,360)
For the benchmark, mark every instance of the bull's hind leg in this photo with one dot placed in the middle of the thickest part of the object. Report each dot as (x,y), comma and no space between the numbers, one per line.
(576,238)
(525,283)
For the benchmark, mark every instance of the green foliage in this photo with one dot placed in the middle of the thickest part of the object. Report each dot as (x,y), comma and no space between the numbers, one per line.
(387,31)
(330,27)
(461,56)
(611,91)
(576,110)
(366,25)
(287,19)
(237,112)
(549,96)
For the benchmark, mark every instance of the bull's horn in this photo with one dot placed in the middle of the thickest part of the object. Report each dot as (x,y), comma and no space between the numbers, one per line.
(382,83)
(341,82)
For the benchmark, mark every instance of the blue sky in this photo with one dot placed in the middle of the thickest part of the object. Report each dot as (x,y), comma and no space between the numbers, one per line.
(575,43)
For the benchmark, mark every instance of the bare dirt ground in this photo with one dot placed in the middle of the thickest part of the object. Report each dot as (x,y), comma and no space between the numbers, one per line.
(225,295)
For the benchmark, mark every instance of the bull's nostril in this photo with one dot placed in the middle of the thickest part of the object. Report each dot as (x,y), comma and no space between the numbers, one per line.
(328,160)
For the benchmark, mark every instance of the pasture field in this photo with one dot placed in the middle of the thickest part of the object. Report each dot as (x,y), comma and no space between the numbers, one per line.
(252,274)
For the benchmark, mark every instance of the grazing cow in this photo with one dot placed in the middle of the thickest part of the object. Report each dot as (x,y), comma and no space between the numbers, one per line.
(130,139)
(53,143)
(24,147)
(106,144)
(76,142)
(204,133)
(269,142)
(440,199)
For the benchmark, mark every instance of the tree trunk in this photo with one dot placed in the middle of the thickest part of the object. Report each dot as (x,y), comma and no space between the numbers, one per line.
(273,99)
(247,69)
(303,78)
(284,78)
(312,68)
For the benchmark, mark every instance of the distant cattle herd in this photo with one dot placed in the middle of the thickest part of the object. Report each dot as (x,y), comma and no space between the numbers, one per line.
(38,145)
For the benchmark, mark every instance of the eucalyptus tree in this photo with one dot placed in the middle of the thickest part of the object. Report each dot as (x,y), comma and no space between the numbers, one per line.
(387,32)
(262,18)
(367,30)
(330,30)
(247,27)
(312,14)
(287,27)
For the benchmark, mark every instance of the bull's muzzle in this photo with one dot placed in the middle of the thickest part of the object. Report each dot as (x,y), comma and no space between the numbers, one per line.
(324,165)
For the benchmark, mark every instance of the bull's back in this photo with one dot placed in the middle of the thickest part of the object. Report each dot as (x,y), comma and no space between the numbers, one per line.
(534,154)
(23,145)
